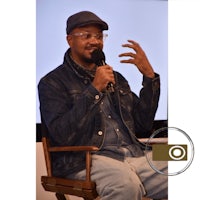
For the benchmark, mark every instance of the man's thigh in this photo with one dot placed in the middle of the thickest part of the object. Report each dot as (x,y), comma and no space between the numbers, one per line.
(155,184)
(116,177)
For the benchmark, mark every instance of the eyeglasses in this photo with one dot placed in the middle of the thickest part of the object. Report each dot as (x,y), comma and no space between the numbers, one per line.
(88,36)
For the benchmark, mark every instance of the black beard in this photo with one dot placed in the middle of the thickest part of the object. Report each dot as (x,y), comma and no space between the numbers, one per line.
(88,60)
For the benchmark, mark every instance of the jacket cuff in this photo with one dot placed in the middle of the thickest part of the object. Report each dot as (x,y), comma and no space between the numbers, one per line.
(93,94)
(155,82)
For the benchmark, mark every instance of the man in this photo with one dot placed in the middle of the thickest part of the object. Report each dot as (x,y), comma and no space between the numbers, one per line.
(78,109)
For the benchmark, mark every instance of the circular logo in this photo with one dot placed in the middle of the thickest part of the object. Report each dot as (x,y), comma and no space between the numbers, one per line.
(172,146)
(177,152)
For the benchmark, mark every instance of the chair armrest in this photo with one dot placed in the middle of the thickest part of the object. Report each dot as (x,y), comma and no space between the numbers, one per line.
(154,140)
(73,148)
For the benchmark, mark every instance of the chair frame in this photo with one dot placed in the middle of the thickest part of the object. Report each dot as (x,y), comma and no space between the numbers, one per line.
(85,188)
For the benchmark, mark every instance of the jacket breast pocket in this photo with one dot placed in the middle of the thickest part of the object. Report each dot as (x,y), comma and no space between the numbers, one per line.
(73,96)
(126,98)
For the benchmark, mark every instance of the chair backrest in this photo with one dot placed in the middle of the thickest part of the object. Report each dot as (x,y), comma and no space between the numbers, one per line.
(46,145)
(45,142)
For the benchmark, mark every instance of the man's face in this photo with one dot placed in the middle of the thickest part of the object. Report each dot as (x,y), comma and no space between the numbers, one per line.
(83,41)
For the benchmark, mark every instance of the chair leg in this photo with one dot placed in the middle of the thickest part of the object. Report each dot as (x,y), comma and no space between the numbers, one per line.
(60,196)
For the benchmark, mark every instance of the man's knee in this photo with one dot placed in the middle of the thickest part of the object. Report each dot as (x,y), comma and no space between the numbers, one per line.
(120,185)
(115,179)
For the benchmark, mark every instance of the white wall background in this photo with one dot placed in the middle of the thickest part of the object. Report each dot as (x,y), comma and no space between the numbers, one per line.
(145,21)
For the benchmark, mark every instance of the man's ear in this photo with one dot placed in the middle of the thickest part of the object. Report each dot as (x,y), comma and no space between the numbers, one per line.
(69,40)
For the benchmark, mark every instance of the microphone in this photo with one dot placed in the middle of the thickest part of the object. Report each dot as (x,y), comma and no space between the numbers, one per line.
(98,57)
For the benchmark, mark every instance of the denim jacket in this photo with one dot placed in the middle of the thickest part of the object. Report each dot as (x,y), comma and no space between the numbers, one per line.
(70,108)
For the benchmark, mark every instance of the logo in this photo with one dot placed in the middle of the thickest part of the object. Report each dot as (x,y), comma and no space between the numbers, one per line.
(176,152)
(176,149)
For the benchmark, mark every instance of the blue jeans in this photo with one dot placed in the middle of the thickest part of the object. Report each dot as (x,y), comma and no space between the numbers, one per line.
(130,179)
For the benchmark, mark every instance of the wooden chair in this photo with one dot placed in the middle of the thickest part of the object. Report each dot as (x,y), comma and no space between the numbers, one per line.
(61,186)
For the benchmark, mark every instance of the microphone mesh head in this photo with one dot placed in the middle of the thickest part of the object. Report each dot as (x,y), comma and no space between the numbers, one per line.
(98,57)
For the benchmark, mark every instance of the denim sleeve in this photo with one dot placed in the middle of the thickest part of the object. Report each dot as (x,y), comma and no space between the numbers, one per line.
(68,115)
(147,103)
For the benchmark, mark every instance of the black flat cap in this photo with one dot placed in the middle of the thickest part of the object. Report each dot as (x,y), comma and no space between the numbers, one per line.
(84,18)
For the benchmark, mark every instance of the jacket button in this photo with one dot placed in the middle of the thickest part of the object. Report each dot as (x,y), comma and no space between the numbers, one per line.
(100,133)
(97,97)
(85,82)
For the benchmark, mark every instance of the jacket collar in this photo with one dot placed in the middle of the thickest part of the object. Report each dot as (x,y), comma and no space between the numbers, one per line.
(79,70)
